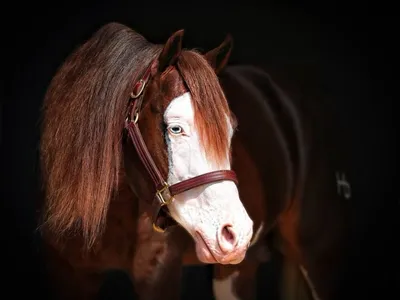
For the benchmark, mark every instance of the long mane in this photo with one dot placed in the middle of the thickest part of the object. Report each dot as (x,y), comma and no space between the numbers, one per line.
(82,125)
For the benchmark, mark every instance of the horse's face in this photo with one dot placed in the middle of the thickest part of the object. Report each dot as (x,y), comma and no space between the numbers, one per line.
(213,213)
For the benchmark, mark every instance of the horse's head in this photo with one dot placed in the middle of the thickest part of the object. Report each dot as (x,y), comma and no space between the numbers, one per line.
(185,123)
(187,126)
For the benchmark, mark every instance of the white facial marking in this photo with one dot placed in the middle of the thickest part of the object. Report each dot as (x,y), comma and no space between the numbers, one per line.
(206,210)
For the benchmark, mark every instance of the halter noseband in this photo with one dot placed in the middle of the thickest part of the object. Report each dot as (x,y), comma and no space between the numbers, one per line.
(164,192)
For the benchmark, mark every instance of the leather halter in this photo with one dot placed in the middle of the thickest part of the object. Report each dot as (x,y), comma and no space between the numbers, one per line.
(164,192)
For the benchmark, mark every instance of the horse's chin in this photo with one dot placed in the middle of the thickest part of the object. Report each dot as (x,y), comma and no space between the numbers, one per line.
(205,256)
(203,252)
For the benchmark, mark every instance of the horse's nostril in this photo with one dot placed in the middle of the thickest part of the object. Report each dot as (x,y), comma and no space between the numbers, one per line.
(227,239)
(228,234)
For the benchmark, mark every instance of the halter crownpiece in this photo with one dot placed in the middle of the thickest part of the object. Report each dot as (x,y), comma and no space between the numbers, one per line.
(164,192)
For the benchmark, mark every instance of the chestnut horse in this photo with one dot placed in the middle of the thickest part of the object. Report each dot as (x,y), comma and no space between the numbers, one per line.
(144,170)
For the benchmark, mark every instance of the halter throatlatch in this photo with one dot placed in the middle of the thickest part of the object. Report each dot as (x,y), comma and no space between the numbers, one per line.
(164,192)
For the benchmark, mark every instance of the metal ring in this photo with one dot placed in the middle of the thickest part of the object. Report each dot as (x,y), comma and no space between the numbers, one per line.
(157,228)
(143,83)
(136,118)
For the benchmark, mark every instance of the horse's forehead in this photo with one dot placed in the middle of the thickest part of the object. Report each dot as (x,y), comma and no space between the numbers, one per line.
(180,107)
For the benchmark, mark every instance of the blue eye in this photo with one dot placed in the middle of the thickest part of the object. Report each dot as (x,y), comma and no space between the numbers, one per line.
(175,129)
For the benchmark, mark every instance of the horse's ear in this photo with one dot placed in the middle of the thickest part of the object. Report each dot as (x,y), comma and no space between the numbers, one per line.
(218,57)
(172,50)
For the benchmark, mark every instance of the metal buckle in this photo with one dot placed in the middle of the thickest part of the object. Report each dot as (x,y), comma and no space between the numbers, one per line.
(163,202)
(161,197)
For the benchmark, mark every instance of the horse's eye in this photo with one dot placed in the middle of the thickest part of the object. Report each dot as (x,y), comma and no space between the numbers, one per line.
(175,129)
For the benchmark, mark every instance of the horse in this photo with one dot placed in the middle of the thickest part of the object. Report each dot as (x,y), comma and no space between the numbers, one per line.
(176,165)
(155,156)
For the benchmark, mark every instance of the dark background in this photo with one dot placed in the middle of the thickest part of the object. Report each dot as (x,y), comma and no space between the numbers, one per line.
(341,53)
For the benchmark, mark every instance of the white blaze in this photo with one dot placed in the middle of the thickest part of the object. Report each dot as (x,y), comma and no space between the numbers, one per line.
(207,208)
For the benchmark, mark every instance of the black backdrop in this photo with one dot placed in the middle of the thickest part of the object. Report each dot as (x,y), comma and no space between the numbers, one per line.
(341,52)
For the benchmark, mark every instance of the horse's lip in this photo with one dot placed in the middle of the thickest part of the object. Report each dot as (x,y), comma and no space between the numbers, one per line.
(207,246)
